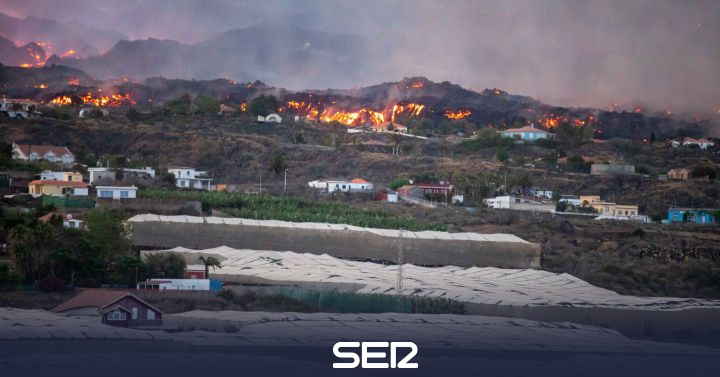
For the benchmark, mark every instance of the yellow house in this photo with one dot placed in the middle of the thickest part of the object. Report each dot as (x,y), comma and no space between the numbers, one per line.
(72,177)
(612,209)
(58,188)
(626,210)
(589,199)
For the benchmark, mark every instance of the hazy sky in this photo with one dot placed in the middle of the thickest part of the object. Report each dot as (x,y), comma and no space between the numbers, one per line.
(665,54)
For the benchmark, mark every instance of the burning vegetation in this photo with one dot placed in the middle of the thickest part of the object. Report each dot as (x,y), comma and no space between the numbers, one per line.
(458,114)
(97,100)
(362,116)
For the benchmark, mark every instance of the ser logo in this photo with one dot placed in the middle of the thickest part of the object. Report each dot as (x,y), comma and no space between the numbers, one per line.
(366,354)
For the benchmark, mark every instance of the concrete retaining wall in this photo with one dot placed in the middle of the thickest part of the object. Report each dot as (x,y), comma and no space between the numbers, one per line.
(337,243)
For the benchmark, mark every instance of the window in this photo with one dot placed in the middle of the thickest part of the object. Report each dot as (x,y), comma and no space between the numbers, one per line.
(150,314)
(183,183)
(105,194)
(123,194)
(134,313)
(116,315)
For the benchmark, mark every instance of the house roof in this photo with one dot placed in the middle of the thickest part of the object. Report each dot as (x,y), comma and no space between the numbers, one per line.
(693,209)
(677,170)
(97,298)
(433,185)
(21,100)
(406,187)
(116,188)
(387,125)
(90,298)
(376,142)
(359,180)
(699,141)
(526,129)
(43,149)
(59,183)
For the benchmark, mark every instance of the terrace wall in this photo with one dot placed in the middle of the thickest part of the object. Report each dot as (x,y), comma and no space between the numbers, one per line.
(337,243)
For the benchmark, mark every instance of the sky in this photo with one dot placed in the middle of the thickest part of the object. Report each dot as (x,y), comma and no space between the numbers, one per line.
(661,54)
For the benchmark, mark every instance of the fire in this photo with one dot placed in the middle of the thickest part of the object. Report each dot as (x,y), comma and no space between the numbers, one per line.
(415,85)
(113,100)
(243,107)
(26,65)
(40,86)
(459,114)
(638,109)
(579,123)
(410,109)
(62,101)
(68,53)
(74,81)
(96,100)
(362,116)
(358,117)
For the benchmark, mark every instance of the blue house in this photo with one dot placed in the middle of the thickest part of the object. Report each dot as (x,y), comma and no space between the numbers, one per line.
(695,215)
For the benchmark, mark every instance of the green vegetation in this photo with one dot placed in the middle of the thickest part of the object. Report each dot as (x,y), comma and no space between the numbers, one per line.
(703,170)
(264,207)
(165,265)
(263,105)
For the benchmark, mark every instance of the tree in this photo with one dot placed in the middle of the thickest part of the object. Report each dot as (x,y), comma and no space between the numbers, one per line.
(577,164)
(166,265)
(263,105)
(207,104)
(703,170)
(397,183)
(181,106)
(395,139)
(209,262)
(108,239)
(278,164)
(587,133)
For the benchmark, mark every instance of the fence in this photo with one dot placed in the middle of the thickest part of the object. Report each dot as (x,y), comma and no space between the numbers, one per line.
(61,202)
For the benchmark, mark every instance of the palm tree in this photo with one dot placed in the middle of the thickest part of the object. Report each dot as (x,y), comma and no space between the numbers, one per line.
(210,262)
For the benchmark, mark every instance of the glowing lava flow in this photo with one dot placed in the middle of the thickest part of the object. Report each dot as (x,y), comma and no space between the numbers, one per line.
(455,115)
(91,99)
(362,116)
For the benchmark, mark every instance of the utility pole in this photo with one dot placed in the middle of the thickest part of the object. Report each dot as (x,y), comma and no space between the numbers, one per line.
(399,283)
(285,187)
(260,181)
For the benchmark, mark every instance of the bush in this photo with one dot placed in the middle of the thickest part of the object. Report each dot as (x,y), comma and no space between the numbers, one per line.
(50,284)
(546,143)
(8,278)
(87,283)
(397,183)
(227,295)
(703,170)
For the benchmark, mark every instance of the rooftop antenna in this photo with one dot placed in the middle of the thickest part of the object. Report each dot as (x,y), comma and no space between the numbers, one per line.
(399,283)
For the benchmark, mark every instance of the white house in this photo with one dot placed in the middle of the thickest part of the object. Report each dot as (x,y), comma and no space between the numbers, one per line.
(270,118)
(101,174)
(117,192)
(522,204)
(355,185)
(28,152)
(527,133)
(17,108)
(542,193)
(48,175)
(181,284)
(703,144)
(146,171)
(190,178)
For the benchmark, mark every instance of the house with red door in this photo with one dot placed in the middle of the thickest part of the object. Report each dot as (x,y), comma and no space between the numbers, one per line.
(116,308)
